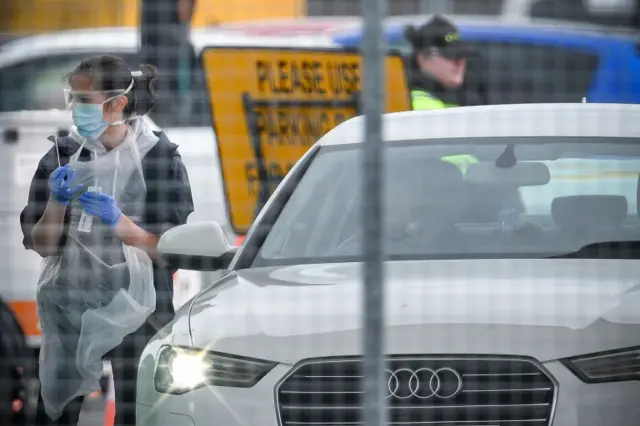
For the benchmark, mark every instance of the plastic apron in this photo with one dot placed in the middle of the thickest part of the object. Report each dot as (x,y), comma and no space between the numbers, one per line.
(98,290)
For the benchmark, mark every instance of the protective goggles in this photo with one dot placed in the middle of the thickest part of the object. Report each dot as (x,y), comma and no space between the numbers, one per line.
(73,97)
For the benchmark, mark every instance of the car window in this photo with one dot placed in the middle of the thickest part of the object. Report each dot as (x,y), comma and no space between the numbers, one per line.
(561,195)
(522,73)
(38,84)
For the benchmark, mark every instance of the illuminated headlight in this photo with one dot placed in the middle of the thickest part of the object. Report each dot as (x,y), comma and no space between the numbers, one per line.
(180,370)
(612,366)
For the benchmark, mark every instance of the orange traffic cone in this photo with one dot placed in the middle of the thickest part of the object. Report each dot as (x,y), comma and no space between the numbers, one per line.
(110,402)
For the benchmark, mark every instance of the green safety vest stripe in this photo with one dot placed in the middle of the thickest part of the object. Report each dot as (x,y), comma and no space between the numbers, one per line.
(422,100)
(462,162)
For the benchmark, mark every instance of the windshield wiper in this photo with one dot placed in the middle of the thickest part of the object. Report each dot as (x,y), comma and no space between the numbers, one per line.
(604,250)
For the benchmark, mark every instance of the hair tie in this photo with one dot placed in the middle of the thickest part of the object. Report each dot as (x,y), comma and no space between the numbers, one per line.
(136,73)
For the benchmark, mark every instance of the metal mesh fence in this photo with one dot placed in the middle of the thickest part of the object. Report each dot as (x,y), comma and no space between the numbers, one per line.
(465,266)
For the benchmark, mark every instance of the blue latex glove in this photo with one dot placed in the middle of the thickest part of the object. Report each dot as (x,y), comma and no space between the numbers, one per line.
(101,205)
(60,185)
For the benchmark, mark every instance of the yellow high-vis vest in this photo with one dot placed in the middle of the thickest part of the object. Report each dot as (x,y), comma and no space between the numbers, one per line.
(422,100)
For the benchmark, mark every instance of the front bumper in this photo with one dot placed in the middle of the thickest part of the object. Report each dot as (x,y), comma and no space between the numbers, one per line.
(577,403)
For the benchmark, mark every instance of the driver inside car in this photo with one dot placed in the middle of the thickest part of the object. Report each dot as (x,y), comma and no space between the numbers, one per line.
(422,201)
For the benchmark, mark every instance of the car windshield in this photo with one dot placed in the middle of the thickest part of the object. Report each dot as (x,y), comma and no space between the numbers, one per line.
(464,198)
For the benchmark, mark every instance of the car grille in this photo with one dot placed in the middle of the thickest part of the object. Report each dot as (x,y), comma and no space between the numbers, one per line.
(443,391)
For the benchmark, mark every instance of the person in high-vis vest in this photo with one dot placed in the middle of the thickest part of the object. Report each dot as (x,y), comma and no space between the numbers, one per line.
(438,70)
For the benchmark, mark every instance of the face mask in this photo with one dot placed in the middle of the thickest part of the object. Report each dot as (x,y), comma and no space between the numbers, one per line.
(89,120)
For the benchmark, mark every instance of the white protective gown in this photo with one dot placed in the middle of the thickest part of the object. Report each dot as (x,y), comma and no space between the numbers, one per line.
(97,290)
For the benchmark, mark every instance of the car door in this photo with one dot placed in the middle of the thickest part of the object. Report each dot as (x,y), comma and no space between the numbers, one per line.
(518,72)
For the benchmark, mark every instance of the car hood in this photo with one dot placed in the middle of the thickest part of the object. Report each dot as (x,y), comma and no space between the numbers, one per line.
(547,308)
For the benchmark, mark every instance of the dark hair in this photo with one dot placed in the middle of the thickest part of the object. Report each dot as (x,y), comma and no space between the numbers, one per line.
(413,36)
(111,73)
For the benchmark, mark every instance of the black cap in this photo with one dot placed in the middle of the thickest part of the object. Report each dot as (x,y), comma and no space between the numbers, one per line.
(441,35)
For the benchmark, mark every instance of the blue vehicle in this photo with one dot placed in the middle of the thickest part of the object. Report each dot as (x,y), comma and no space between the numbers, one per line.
(531,62)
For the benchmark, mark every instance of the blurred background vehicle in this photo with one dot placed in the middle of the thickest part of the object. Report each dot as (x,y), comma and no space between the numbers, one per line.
(533,61)
(522,60)
(32,68)
(617,13)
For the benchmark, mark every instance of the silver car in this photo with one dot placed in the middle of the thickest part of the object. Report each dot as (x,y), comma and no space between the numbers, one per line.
(512,280)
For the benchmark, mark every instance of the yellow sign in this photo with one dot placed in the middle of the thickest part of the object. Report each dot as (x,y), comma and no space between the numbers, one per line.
(271,105)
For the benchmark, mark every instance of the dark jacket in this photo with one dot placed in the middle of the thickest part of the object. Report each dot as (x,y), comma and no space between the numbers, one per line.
(168,203)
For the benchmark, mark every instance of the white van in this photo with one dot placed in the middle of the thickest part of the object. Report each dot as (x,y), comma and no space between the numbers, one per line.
(34,67)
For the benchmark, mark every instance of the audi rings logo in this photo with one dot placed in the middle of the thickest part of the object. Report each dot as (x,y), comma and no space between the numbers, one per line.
(423,383)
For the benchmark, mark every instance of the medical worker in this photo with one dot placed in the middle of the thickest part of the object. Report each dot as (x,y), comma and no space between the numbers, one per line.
(99,201)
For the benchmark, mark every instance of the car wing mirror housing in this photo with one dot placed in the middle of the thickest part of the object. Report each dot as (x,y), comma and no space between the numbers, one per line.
(200,246)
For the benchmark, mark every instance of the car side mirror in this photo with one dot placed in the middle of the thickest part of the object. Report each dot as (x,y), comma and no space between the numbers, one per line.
(200,246)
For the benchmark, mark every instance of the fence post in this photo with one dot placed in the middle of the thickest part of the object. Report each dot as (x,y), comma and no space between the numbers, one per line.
(165,42)
(373,104)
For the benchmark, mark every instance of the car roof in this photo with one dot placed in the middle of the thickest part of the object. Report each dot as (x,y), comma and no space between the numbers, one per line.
(299,26)
(315,32)
(126,39)
(524,120)
(340,24)
(521,22)
(503,25)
